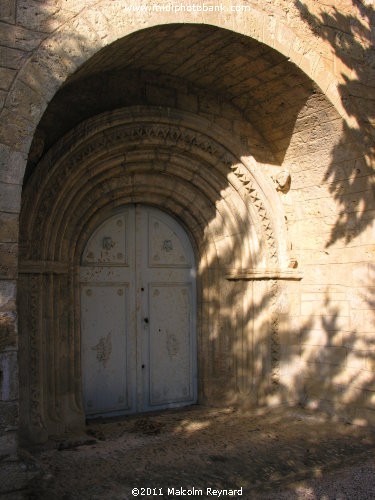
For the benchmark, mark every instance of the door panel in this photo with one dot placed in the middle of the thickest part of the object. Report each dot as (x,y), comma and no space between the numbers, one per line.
(170,343)
(109,243)
(105,353)
(138,314)
(166,246)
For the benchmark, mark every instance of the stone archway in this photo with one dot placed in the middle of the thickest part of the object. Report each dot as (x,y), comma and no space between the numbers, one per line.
(179,162)
(81,35)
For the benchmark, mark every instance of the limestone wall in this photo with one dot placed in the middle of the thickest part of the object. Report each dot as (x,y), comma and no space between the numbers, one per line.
(326,141)
(330,218)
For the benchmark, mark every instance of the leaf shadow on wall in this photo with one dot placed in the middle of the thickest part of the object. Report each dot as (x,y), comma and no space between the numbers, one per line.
(351,41)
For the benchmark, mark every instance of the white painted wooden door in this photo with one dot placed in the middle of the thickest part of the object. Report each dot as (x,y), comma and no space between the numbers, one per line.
(138,311)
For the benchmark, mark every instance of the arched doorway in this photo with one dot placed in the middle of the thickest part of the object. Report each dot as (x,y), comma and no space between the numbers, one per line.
(188,167)
(226,117)
(138,312)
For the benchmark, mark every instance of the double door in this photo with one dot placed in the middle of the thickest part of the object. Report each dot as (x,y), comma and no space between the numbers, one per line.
(138,309)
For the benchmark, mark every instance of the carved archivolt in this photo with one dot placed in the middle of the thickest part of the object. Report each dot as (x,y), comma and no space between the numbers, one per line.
(184,165)
(117,134)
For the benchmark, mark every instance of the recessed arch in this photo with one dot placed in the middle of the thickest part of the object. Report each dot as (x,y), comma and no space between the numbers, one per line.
(109,142)
(175,161)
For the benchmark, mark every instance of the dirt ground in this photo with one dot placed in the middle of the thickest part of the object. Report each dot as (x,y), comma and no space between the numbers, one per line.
(284,453)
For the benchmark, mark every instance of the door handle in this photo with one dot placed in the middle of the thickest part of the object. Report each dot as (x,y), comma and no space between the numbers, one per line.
(145,320)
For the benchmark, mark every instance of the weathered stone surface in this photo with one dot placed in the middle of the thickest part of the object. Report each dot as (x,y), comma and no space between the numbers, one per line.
(18,132)
(8,331)
(8,417)
(25,98)
(45,17)
(8,260)
(16,474)
(9,376)
(3,96)
(19,38)
(8,227)
(12,58)
(12,164)
(8,447)
(8,11)
(6,78)
(7,295)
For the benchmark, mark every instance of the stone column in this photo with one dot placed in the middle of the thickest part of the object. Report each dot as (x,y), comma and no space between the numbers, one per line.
(9,207)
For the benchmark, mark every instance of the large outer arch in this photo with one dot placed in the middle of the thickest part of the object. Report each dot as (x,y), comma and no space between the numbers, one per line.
(85,33)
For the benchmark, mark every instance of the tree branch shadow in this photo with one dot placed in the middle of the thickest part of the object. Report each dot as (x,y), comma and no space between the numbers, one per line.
(351,41)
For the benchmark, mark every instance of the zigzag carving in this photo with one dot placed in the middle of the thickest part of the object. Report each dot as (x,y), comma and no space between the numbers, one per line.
(250,188)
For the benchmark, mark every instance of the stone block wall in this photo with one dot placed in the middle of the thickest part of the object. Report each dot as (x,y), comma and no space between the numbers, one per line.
(330,218)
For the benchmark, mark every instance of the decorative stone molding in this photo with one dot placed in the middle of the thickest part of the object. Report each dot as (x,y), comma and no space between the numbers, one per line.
(34,339)
(255,198)
(263,274)
(275,340)
(123,135)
